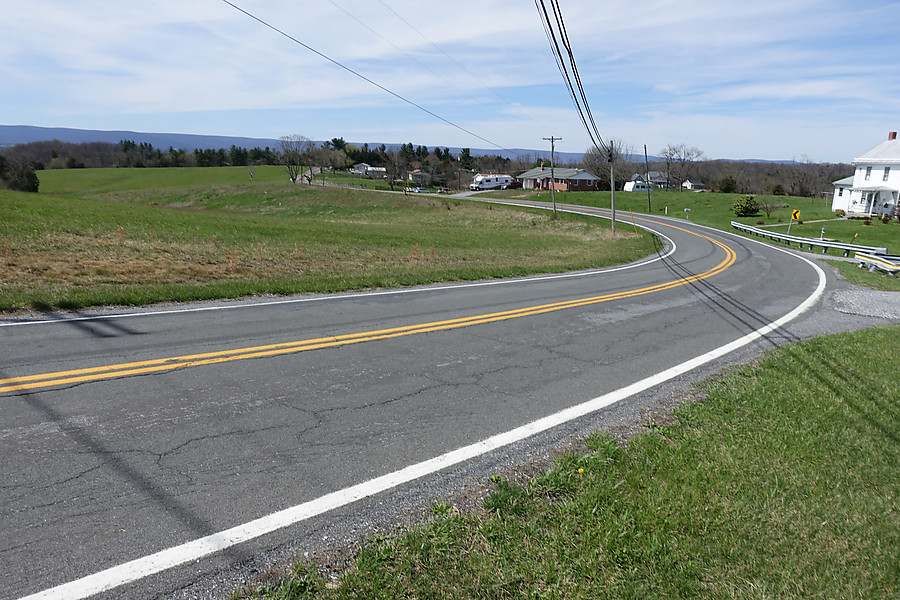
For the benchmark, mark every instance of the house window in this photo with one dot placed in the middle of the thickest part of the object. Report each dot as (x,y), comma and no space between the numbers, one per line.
(887,173)
(840,192)
(868,173)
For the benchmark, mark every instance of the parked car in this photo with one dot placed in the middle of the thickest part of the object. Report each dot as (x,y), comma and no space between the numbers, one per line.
(443,191)
(513,185)
(421,190)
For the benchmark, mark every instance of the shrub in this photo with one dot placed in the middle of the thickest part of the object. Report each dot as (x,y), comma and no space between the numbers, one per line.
(728,185)
(17,175)
(745,206)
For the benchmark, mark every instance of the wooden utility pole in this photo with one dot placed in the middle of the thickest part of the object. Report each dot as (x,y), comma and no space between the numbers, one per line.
(553,141)
(612,183)
(647,171)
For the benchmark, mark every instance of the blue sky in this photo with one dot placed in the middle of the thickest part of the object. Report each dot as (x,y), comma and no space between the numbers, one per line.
(799,79)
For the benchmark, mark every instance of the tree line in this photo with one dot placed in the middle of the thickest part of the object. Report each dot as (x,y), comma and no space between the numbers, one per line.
(439,166)
(680,162)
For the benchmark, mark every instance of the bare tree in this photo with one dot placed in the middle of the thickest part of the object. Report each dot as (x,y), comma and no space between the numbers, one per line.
(294,150)
(686,156)
(668,155)
(681,157)
(596,161)
(600,160)
(394,165)
(768,205)
(291,154)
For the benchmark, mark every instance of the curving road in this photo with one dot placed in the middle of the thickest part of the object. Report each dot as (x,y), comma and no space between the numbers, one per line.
(141,448)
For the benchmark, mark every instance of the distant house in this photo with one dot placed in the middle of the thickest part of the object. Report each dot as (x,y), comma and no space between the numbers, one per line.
(642,182)
(366,170)
(418,176)
(695,185)
(658,179)
(875,185)
(564,180)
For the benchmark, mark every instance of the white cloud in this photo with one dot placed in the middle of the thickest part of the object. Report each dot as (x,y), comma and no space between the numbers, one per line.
(681,71)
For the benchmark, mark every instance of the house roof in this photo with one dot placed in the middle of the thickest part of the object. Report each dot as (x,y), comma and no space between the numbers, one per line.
(844,181)
(887,152)
(558,173)
(653,175)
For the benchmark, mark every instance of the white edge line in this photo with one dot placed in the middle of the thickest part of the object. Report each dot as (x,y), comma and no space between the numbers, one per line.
(328,297)
(155,563)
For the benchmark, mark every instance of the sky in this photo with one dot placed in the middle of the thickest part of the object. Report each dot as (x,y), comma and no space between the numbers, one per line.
(811,80)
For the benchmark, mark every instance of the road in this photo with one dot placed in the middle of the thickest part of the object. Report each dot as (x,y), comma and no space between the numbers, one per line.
(173,432)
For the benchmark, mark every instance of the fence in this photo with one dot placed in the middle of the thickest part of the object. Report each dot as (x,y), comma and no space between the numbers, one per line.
(810,243)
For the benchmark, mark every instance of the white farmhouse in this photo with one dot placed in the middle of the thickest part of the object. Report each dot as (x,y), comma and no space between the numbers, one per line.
(875,185)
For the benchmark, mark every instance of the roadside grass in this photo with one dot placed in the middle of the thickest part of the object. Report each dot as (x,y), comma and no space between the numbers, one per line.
(780,482)
(162,235)
(878,280)
(714,210)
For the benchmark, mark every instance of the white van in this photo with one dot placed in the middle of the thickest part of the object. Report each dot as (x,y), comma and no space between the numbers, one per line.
(490,182)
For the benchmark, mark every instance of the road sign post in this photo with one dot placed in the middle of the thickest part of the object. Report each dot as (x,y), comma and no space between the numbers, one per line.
(795,216)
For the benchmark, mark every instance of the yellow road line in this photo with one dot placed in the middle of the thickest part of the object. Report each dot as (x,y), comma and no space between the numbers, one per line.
(44,380)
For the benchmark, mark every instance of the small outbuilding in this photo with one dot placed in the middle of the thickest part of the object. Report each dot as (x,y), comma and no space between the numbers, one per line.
(694,185)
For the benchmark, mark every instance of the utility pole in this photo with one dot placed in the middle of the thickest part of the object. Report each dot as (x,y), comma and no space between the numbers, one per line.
(553,141)
(647,170)
(612,184)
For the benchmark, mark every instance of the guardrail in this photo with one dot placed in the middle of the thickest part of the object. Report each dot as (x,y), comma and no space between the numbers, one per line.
(874,262)
(809,242)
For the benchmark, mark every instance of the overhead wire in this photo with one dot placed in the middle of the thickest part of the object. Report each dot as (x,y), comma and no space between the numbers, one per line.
(565,60)
(365,78)
(480,81)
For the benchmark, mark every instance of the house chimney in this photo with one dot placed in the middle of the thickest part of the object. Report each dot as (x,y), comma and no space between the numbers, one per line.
(892,135)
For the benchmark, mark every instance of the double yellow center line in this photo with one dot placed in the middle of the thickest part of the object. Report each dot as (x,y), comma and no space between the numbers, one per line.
(59,378)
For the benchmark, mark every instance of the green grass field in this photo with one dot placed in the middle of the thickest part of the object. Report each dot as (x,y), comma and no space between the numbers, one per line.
(780,482)
(140,236)
(714,210)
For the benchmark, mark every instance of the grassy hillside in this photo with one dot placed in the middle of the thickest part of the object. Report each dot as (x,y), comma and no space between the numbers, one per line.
(138,236)
(715,210)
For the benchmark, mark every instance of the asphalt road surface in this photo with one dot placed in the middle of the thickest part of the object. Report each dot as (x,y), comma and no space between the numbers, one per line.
(144,449)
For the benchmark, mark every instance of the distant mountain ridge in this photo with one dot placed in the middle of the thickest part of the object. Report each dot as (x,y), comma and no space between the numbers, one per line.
(10,135)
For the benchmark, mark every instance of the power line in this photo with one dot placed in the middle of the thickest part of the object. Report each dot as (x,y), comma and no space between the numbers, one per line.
(364,78)
(565,61)
(420,63)
(462,67)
